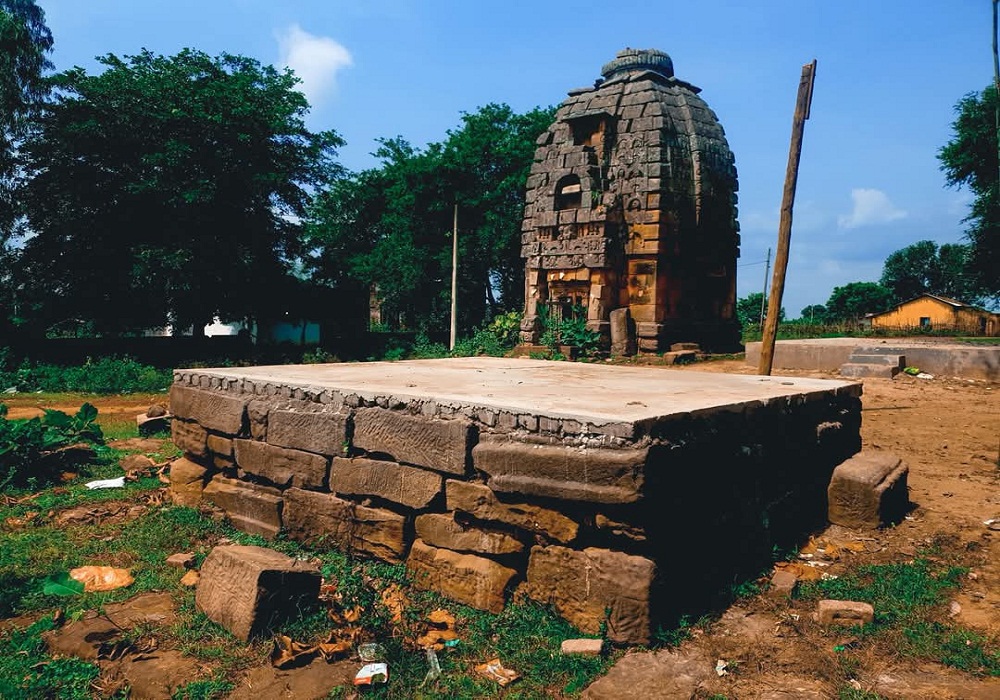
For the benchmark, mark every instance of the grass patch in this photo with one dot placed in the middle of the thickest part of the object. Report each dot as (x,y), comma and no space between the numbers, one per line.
(908,600)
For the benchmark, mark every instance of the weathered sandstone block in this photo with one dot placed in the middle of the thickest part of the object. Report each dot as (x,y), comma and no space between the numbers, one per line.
(220,445)
(322,432)
(585,587)
(847,613)
(252,508)
(408,486)
(280,465)
(187,481)
(569,473)
(867,490)
(442,530)
(481,503)
(438,444)
(189,437)
(582,647)
(249,590)
(257,411)
(465,578)
(213,410)
(310,517)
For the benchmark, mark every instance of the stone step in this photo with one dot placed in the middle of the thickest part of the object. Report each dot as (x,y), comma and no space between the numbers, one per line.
(866,359)
(878,350)
(858,369)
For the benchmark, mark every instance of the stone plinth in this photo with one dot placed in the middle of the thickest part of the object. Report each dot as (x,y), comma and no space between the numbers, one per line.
(487,475)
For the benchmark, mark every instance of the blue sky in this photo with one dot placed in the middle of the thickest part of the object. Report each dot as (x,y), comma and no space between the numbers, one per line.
(889,74)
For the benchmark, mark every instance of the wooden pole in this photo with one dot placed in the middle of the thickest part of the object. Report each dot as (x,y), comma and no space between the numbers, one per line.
(454,278)
(802,105)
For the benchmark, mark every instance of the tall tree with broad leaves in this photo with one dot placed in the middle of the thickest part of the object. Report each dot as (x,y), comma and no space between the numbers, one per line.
(25,42)
(390,227)
(169,190)
(925,267)
(970,160)
(855,299)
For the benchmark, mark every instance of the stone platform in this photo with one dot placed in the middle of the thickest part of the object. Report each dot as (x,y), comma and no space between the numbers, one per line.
(615,494)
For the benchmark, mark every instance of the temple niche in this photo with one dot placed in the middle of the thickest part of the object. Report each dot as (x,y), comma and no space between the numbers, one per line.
(631,203)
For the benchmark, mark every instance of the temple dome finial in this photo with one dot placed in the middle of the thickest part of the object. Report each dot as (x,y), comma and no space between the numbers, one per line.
(638,60)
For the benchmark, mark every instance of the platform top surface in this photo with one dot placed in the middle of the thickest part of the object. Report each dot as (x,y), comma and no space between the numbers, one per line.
(590,392)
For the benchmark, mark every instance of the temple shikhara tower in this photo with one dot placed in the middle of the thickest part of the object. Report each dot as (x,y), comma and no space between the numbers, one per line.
(631,204)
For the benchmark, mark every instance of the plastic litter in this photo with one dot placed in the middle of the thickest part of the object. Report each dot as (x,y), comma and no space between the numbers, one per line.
(116,483)
(370,674)
(434,672)
(925,375)
(720,667)
(494,670)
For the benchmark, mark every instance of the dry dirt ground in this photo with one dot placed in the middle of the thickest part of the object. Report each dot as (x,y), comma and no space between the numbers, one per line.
(948,431)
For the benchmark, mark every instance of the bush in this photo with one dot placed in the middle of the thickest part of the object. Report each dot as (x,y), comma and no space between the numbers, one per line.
(494,339)
(27,447)
(106,375)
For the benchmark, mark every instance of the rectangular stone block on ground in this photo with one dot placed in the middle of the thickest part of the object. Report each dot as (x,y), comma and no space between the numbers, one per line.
(408,486)
(438,444)
(868,490)
(442,530)
(324,432)
(187,482)
(475,581)
(310,516)
(554,471)
(282,466)
(252,508)
(588,586)
(214,410)
(481,503)
(250,590)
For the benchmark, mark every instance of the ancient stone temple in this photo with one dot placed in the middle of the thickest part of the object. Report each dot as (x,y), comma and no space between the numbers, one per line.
(631,204)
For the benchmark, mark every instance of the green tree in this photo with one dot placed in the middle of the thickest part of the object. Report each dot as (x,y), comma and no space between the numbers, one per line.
(748,309)
(925,267)
(814,313)
(390,227)
(168,190)
(855,299)
(970,160)
(25,41)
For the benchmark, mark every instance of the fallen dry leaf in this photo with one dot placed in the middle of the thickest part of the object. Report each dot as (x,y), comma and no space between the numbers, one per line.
(352,614)
(441,629)
(801,570)
(288,653)
(395,602)
(442,619)
(190,578)
(101,578)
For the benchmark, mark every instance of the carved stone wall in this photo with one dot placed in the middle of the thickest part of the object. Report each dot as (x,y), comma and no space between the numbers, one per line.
(633,196)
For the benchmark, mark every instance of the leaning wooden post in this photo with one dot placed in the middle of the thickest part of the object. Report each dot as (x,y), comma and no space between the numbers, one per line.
(802,104)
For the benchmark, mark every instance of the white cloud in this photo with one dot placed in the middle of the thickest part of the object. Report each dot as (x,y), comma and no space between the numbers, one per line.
(870,207)
(316,60)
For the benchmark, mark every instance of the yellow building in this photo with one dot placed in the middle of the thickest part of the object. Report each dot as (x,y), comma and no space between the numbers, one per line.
(933,311)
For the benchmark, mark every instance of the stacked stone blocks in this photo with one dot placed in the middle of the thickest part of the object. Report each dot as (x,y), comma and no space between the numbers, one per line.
(479,502)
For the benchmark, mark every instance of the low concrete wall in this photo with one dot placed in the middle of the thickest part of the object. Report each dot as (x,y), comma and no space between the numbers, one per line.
(828,354)
(615,524)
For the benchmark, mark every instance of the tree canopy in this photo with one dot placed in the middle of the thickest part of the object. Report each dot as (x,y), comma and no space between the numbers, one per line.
(926,267)
(748,309)
(855,299)
(168,190)
(970,160)
(390,227)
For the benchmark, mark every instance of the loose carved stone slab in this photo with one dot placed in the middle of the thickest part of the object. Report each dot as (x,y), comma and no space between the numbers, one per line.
(187,481)
(248,589)
(868,490)
(481,503)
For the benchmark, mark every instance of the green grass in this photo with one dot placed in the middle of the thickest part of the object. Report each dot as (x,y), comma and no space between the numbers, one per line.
(909,619)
